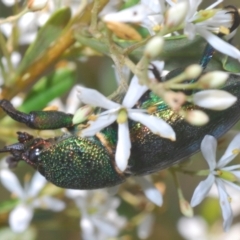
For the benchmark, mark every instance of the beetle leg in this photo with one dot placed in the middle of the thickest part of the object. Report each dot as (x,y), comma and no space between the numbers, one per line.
(38,119)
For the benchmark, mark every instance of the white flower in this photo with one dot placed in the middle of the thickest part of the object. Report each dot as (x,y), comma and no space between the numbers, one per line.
(99,218)
(150,191)
(218,169)
(217,19)
(120,113)
(148,13)
(194,228)
(21,215)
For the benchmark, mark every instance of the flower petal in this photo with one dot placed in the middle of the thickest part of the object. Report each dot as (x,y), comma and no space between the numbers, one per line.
(214,99)
(230,152)
(95,98)
(202,190)
(73,194)
(36,185)
(105,226)
(237,174)
(208,149)
(123,146)
(20,218)
(156,125)
(97,125)
(135,91)
(150,191)
(87,228)
(225,205)
(11,183)
(231,184)
(51,203)
(219,44)
(144,229)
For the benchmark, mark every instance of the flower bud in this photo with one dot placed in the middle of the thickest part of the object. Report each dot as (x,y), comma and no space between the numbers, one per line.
(196,117)
(176,14)
(36,5)
(185,207)
(154,47)
(82,114)
(193,71)
(214,99)
(213,79)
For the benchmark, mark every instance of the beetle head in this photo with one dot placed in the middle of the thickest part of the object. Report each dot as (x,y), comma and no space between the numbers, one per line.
(27,149)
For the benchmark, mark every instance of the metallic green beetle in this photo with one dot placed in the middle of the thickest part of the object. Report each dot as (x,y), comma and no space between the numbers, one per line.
(73,162)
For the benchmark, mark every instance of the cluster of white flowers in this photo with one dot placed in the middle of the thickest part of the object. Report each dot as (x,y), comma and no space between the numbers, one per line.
(183,14)
(219,174)
(156,16)
(211,99)
(29,198)
(99,218)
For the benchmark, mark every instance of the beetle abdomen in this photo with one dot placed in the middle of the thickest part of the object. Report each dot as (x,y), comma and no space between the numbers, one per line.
(79,163)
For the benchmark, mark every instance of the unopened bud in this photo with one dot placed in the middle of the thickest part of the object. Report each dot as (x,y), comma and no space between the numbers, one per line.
(82,114)
(213,79)
(214,99)
(185,208)
(196,117)
(193,71)
(176,14)
(36,5)
(154,47)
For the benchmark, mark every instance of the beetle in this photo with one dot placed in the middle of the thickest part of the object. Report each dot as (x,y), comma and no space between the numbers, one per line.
(70,161)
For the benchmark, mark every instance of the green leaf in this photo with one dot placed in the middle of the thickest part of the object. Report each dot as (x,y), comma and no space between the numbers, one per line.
(48,88)
(8,205)
(178,52)
(129,3)
(228,64)
(45,37)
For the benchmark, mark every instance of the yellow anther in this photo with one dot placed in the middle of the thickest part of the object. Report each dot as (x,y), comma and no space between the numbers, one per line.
(224,30)
(152,109)
(157,28)
(92,117)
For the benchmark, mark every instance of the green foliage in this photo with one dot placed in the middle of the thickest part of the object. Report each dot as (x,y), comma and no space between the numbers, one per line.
(48,88)
(45,37)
